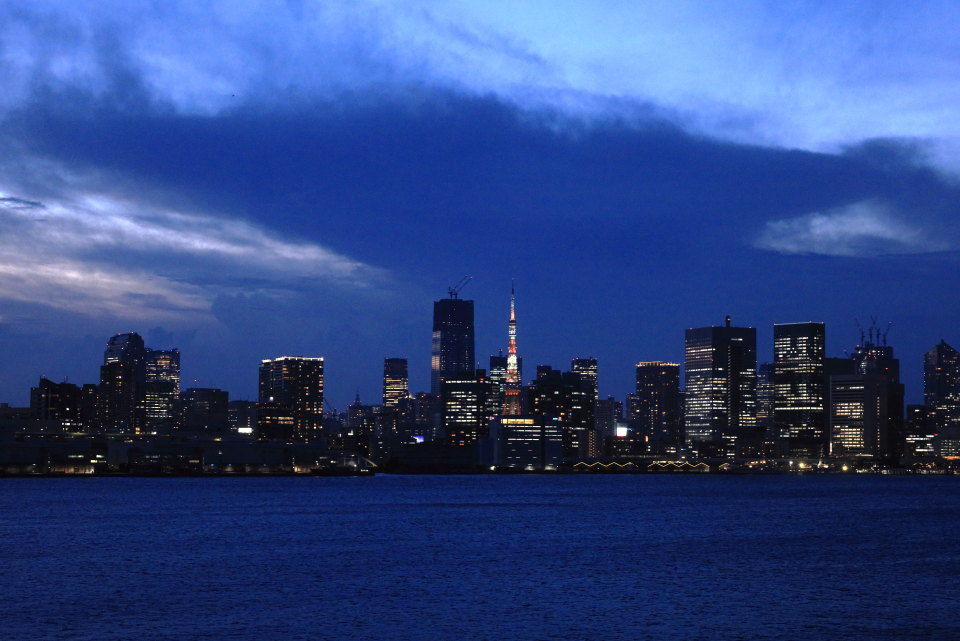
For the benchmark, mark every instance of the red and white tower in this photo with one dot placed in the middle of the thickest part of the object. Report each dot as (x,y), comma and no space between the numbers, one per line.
(511,388)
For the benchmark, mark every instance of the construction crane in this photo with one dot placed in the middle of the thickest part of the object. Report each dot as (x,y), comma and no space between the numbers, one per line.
(456,289)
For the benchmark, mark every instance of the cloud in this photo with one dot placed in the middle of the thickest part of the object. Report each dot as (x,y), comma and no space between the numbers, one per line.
(102,255)
(866,228)
(800,74)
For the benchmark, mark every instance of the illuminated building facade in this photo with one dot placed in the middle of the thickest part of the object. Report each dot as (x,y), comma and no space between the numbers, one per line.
(860,415)
(588,370)
(655,403)
(530,443)
(721,390)
(799,387)
(941,386)
(866,407)
(453,341)
(126,348)
(162,385)
(163,366)
(242,417)
(396,383)
(468,402)
(295,384)
(919,431)
(765,398)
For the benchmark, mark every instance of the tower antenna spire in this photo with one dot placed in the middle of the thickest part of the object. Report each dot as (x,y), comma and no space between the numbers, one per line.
(511,390)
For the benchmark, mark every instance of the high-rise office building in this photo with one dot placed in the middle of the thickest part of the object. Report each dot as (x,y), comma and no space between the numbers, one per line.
(721,384)
(531,443)
(117,394)
(765,399)
(89,406)
(864,409)
(242,416)
(163,365)
(941,386)
(655,404)
(291,396)
(607,414)
(468,402)
(396,385)
(58,402)
(122,384)
(866,406)
(498,369)
(453,340)
(204,409)
(566,397)
(125,348)
(919,431)
(423,408)
(799,387)
(361,426)
(587,369)
(162,385)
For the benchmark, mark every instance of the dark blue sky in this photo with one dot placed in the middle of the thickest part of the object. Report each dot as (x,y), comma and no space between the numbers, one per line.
(257,179)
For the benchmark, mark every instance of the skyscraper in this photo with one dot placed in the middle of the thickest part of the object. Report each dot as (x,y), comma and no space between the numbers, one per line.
(162,384)
(58,402)
(587,368)
(799,387)
(566,397)
(125,348)
(453,340)
(512,384)
(395,381)
(163,365)
(721,377)
(863,415)
(866,406)
(291,394)
(765,399)
(468,402)
(941,386)
(655,405)
(122,384)
(117,407)
(204,409)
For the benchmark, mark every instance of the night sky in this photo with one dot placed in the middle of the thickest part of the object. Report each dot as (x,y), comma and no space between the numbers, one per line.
(255,179)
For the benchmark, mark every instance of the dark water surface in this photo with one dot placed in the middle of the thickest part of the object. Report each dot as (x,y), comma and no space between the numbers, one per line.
(481,557)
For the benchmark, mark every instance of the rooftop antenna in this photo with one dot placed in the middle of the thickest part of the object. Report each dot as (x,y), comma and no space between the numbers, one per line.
(887,331)
(456,289)
(860,329)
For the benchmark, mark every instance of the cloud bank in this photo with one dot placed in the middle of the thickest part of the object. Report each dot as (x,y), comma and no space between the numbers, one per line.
(98,255)
(862,229)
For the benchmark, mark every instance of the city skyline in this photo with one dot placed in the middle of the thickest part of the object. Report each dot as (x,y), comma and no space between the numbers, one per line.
(765,355)
(371,390)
